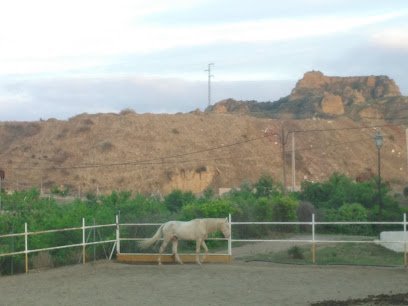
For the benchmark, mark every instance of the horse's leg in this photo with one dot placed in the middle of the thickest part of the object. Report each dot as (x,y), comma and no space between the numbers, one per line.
(206,250)
(162,248)
(176,255)
(198,246)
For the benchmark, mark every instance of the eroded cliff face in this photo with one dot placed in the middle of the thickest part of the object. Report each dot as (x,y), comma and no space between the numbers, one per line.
(336,94)
(351,89)
(319,96)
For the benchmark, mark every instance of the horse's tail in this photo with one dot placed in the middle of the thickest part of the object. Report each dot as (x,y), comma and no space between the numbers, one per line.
(149,242)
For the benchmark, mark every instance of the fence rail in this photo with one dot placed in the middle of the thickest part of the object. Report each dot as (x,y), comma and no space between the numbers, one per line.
(117,241)
(84,243)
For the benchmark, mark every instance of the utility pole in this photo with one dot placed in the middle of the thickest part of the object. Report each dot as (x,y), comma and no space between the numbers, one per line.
(209,82)
(283,139)
(283,142)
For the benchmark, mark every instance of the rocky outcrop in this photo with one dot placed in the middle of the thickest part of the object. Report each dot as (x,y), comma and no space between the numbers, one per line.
(332,104)
(351,89)
(229,106)
(336,94)
(317,95)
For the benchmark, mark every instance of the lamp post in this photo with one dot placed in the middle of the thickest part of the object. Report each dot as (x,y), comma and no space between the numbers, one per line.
(378,138)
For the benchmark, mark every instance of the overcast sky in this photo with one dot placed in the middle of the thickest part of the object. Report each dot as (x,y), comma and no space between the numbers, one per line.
(67,57)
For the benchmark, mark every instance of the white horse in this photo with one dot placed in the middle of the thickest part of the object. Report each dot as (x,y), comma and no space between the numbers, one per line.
(197,229)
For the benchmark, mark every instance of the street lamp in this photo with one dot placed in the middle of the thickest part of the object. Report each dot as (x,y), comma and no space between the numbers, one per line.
(378,138)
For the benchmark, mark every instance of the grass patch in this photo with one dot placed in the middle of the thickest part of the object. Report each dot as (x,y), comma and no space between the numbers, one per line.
(336,254)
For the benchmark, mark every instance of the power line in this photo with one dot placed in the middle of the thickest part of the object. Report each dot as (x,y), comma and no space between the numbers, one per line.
(161,160)
(330,145)
(346,128)
(146,161)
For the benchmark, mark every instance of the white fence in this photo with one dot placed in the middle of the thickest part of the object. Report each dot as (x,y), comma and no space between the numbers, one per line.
(26,234)
(117,241)
(313,241)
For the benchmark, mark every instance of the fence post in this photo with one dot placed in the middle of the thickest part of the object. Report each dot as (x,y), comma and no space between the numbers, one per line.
(83,241)
(313,240)
(230,237)
(405,241)
(117,235)
(26,246)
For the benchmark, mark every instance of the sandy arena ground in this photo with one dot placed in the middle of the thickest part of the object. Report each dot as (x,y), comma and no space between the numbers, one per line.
(239,283)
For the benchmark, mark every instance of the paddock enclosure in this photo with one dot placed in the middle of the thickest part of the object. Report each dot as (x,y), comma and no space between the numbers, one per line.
(122,240)
(238,283)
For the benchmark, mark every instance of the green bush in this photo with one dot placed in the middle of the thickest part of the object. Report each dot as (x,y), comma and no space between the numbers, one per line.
(175,200)
(337,199)
(265,187)
(217,208)
(295,252)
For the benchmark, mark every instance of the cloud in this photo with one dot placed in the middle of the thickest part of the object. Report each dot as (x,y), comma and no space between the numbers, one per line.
(61,37)
(395,38)
(61,99)
(72,28)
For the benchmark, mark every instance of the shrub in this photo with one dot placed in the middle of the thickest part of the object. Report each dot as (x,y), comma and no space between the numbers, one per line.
(62,190)
(284,208)
(105,146)
(127,111)
(304,213)
(265,186)
(353,212)
(217,208)
(296,252)
(406,191)
(176,199)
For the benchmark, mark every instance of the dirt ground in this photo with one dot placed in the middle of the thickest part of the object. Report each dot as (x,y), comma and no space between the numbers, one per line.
(239,283)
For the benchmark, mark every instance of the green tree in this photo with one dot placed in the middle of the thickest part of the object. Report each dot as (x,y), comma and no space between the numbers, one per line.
(265,187)
(216,208)
(175,200)
(284,208)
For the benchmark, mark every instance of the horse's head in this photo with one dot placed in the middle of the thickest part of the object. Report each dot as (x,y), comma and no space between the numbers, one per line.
(225,228)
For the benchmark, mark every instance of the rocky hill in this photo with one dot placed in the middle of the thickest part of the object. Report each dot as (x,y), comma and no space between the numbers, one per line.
(230,143)
(319,96)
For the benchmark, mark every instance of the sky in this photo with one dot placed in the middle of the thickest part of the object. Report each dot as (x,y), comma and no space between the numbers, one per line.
(62,58)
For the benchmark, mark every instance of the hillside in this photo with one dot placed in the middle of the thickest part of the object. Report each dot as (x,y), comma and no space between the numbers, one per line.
(319,96)
(156,153)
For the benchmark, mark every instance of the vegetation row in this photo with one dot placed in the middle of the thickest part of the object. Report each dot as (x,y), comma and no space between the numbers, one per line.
(337,199)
